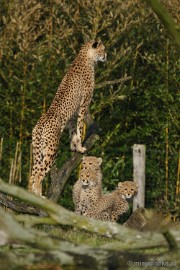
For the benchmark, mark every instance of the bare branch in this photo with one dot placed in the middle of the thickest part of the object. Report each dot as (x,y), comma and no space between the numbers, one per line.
(17,206)
(100,85)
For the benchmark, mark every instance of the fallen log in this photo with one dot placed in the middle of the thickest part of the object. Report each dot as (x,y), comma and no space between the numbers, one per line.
(58,215)
(65,253)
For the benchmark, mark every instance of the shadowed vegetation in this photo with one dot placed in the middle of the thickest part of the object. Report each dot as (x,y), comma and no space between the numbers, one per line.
(39,40)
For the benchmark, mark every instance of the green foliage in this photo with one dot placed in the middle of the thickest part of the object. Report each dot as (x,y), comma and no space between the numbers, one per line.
(39,40)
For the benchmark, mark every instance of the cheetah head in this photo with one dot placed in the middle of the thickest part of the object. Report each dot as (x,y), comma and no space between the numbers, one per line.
(91,162)
(88,178)
(96,51)
(127,189)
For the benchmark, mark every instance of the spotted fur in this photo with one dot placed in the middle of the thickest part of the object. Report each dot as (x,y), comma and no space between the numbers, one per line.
(110,206)
(92,165)
(70,102)
(89,191)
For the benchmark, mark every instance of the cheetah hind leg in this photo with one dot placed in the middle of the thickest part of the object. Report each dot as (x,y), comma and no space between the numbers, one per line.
(38,174)
(37,185)
(30,184)
(35,182)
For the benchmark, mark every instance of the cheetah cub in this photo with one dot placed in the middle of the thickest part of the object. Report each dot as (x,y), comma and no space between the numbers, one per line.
(93,163)
(68,108)
(89,191)
(110,206)
(90,165)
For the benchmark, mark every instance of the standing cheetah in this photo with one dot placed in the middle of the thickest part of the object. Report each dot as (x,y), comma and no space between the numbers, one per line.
(110,206)
(90,165)
(70,102)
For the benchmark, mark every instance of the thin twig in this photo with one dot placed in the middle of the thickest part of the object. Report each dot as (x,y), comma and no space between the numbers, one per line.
(100,85)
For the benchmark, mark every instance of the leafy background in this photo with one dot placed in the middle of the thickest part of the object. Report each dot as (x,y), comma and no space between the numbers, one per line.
(39,40)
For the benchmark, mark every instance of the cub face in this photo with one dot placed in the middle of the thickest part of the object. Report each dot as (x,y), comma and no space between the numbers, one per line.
(127,189)
(88,178)
(91,162)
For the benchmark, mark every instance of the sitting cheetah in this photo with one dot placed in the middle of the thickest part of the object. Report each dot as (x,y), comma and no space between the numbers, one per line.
(70,102)
(88,163)
(110,206)
(93,163)
(89,191)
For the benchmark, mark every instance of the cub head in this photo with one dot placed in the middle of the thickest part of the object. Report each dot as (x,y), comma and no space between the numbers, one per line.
(88,178)
(96,51)
(127,189)
(90,162)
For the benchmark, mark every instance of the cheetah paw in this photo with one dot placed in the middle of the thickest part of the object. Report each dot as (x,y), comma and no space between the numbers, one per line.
(81,149)
(77,148)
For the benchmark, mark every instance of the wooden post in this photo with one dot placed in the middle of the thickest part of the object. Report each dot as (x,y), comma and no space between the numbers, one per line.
(139,156)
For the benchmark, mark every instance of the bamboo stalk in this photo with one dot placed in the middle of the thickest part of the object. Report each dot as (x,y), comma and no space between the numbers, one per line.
(167,163)
(177,201)
(15,170)
(30,160)
(167,129)
(11,171)
(15,163)
(19,171)
(1,148)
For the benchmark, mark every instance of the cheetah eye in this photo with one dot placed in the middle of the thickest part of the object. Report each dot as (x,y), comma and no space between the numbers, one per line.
(95,44)
(90,163)
(132,189)
(125,189)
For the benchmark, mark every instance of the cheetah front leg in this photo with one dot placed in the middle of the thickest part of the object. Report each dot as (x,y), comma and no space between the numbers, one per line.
(72,132)
(76,192)
(76,134)
(122,208)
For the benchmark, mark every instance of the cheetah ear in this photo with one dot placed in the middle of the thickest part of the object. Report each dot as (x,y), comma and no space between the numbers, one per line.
(99,161)
(95,44)
(120,184)
(137,185)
